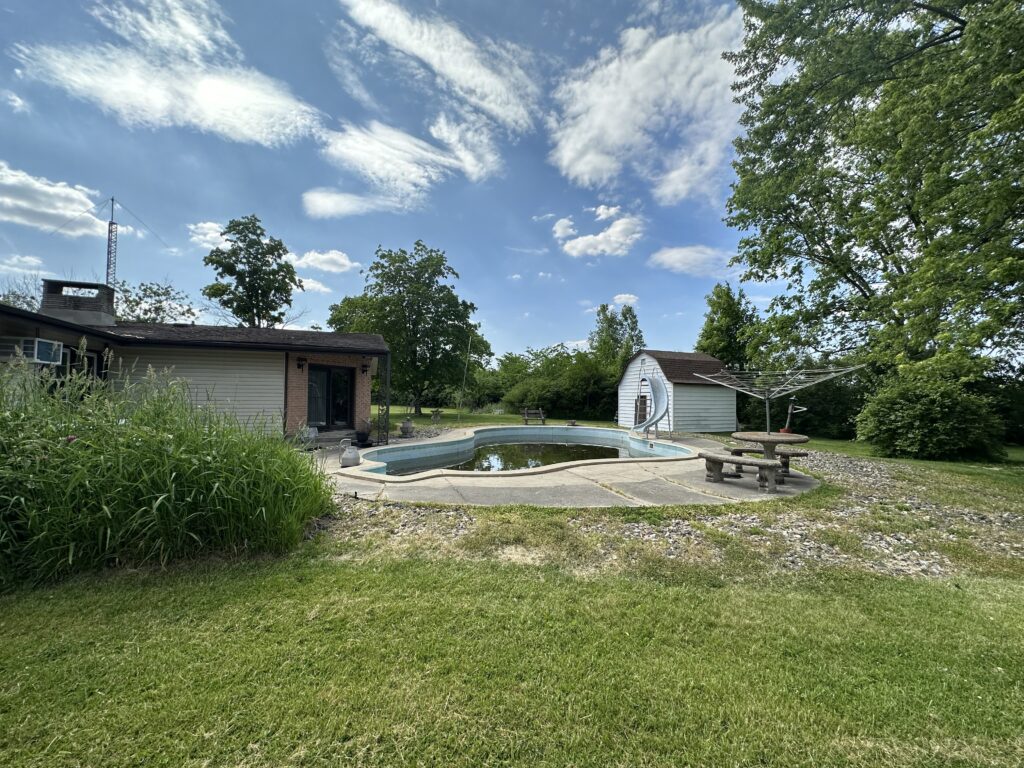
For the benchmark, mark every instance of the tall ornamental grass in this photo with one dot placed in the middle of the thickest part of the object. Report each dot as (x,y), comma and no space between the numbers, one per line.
(105,473)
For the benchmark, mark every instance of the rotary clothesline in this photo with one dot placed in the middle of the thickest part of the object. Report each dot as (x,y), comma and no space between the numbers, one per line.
(768,385)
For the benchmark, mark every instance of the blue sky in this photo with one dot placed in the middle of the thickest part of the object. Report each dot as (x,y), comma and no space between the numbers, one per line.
(562,154)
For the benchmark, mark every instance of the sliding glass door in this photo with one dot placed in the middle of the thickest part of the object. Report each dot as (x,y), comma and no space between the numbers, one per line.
(330,397)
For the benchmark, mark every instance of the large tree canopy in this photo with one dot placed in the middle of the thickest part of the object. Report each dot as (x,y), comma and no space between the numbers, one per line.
(429,329)
(254,278)
(880,173)
(616,337)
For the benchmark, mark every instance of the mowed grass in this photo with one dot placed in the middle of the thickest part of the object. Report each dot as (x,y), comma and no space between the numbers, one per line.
(314,660)
(452,418)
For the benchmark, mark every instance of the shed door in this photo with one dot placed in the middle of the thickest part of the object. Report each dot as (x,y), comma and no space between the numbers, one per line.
(641,410)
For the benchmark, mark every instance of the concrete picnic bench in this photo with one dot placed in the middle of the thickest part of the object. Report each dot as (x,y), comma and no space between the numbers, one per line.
(783,453)
(767,469)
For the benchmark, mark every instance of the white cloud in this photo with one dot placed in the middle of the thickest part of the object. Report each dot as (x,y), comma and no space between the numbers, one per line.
(577,344)
(603,212)
(615,240)
(327,203)
(400,168)
(619,110)
(177,67)
(471,145)
(325,261)
(698,260)
(17,104)
(206,234)
(488,76)
(564,228)
(23,265)
(516,276)
(35,201)
(310,285)
(529,251)
(621,299)
(543,217)
(544,275)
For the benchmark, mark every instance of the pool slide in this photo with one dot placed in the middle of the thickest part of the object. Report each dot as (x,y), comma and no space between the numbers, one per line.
(659,396)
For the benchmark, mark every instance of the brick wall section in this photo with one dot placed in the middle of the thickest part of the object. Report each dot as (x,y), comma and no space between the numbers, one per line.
(297,390)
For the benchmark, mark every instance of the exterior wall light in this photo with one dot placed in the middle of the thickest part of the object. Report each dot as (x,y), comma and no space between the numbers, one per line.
(300,363)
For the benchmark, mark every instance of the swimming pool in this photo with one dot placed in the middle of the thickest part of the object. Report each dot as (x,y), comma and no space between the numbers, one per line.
(421,460)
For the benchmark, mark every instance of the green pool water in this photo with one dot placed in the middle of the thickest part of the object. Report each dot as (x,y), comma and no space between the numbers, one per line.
(501,458)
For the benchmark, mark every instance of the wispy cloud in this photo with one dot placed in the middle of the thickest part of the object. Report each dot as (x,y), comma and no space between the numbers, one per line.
(487,75)
(697,260)
(35,201)
(528,251)
(325,261)
(17,104)
(176,66)
(23,265)
(543,217)
(515,276)
(659,104)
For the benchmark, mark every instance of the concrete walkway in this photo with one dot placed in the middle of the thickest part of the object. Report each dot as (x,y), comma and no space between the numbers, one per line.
(620,484)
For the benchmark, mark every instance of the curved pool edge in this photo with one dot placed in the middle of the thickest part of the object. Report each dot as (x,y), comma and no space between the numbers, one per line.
(374,471)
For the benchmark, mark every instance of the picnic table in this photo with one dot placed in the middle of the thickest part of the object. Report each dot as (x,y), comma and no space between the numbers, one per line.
(769,440)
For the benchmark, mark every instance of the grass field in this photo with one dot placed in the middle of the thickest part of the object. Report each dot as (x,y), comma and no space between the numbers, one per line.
(452,418)
(387,648)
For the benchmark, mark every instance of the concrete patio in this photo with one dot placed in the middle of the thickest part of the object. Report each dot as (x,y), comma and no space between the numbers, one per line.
(616,484)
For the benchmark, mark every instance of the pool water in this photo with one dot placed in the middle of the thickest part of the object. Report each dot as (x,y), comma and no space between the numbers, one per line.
(504,457)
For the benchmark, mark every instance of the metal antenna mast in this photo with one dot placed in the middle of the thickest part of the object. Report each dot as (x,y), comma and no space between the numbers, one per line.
(111,247)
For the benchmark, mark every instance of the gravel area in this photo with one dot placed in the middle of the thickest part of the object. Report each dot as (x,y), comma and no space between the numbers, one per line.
(882,524)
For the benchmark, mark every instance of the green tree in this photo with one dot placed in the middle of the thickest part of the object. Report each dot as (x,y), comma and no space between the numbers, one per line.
(409,301)
(616,337)
(23,292)
(727,326)
(152,303)
(879,173)
(254,280)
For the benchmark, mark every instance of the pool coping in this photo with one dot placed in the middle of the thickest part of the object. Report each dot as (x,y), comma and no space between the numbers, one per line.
(365,470)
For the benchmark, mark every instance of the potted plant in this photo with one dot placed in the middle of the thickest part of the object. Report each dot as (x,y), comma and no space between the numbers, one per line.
(363,433)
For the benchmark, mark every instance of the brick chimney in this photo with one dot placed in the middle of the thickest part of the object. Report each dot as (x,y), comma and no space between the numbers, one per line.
(82,303)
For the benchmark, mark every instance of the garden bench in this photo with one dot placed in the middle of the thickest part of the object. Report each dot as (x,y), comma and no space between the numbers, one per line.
(533,414)
(767,469)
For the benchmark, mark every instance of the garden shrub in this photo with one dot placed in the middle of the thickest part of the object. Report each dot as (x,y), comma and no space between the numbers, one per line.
(916,417)
(100,473)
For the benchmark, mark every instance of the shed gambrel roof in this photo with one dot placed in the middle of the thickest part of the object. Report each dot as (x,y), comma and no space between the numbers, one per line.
(680,367)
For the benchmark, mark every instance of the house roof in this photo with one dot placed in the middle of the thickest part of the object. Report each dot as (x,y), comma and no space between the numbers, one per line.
(213,336)
(188,335)
(680,367)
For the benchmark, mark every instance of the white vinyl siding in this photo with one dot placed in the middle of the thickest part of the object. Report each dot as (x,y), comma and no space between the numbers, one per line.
(630,384)
(704,408)
(248,384)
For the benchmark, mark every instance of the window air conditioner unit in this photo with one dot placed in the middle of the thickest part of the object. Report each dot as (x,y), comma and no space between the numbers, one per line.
(42,351)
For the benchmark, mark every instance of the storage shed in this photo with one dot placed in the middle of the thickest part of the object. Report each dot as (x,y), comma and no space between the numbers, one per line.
(694,405)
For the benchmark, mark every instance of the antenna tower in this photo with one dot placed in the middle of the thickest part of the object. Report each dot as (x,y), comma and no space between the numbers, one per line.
(111,247)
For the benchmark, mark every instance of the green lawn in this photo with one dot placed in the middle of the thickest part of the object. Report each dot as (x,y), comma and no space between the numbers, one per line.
(358,651)
(451,418)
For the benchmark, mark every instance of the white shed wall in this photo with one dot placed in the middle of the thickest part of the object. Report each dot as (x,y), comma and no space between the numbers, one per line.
(630,384)
(704,408)
(246,383)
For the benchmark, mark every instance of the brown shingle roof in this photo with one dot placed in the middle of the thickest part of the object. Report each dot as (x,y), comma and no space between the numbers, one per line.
(181,335)
(680,367)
